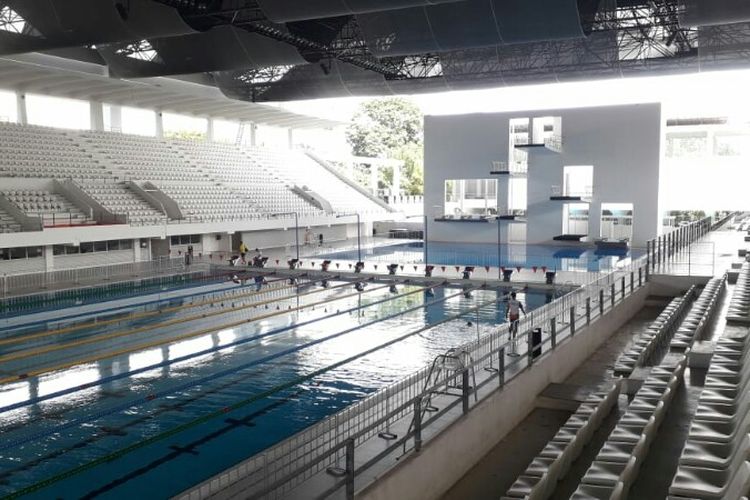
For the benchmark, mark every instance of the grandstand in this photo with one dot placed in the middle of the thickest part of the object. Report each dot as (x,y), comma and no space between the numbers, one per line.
(199,300)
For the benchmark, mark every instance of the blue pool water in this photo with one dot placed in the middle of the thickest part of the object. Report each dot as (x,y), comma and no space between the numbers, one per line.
(83,392)
(556,258)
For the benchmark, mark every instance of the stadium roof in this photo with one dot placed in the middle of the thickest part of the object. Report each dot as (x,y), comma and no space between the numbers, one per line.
(278,50)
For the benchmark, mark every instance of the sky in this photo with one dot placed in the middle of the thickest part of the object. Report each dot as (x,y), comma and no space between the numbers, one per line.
(702,94)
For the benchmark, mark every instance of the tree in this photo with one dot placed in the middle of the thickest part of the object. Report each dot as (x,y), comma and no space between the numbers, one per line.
(390,128)
(185,135)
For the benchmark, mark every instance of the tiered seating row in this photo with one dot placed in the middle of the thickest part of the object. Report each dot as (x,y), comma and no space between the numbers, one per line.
(234,168)
(7,223)
(739,305)
(209,202)
(617,464)
(714,461)
(52,208)
(700,314)
(540,478)
(657,334)
(119,200)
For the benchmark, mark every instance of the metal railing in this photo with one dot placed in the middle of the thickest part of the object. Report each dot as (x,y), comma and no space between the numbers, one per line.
(11,284)
(554,143)
(323,447)
(671,246)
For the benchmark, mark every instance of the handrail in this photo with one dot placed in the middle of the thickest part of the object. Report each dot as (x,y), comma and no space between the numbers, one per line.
(663,248)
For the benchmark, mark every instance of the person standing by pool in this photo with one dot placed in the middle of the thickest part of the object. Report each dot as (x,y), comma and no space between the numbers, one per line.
(512,313)
(243,251)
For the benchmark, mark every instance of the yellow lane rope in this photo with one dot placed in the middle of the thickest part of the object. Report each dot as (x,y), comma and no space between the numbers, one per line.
(147,345)
(132,331)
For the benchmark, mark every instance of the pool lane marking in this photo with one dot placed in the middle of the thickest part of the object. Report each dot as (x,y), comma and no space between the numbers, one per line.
(146,314)
(140,347)
(101,312)
(187,385)
(23,354)
(240,404)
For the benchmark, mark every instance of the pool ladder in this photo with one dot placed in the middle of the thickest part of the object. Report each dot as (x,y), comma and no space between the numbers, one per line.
(446,372)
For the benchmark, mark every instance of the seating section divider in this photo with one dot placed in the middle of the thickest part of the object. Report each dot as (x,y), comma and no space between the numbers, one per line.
(540,478)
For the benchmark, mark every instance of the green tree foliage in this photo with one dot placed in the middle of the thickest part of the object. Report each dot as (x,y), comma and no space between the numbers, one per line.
(186,135)
(390,128)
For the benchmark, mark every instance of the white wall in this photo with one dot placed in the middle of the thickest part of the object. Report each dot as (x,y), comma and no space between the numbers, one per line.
(623,143)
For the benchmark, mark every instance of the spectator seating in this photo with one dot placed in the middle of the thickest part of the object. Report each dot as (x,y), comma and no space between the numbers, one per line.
(714,461)
(52,208)
(540,478)
(616,466)
(118,199)
(739,304)
(657,334)
(7,223)
(700,314)
(232,167)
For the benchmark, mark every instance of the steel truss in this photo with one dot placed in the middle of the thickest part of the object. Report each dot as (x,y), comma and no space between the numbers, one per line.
(638,37)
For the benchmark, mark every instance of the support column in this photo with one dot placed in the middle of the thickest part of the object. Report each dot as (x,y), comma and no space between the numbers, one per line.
(96,112)
(49,258)
(115,118)
(159,124)
(396,184)
(22,116)
(210,129)
(290,138)
(253,130)
(374,179)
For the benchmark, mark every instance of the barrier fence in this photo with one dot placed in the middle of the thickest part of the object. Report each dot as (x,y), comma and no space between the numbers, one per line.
(676,247)
(14,284)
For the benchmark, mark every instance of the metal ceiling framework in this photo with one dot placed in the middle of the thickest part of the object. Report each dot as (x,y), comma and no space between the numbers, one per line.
(335,57)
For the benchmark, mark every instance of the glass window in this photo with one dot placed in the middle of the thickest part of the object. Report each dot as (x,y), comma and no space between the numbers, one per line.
(100,246)
(70,249)
(58,250)
(18,253)
(126,244)
(470,197)
(195,238)
(87,247)
(175,240)
(686,145)
(33,252)
(113,245)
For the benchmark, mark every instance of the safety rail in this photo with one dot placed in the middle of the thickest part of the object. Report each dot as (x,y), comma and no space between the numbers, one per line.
(324,446)
(13,284)
(664,248)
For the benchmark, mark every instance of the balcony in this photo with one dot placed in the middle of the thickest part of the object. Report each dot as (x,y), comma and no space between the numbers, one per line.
(550,144)
(515,169)
(557,193)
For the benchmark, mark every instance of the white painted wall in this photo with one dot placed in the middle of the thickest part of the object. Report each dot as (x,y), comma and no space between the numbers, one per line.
(622,142)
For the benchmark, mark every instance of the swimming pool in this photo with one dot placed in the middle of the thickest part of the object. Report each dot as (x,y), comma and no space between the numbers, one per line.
(555,258)
(158,397)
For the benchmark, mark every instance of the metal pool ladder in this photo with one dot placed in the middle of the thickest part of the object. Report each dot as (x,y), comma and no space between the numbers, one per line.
(447,371)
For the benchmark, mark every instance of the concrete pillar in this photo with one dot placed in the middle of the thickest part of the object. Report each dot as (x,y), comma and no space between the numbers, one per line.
(115,118)
(22,116)
(374,179)
(396,185)
(49,258)
(137,250)
(290,137)
(210,129)
(503,194)
(159,124)
(253,130)
(96,111)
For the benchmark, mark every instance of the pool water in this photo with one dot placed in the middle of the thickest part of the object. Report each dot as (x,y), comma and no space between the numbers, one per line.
(160,397)
(555,258)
